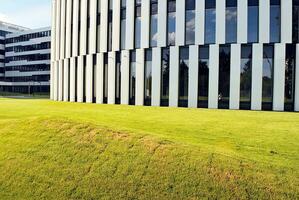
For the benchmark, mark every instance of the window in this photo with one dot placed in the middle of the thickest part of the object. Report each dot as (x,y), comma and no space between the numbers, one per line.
(190,22)
(245,77)
(231,21)
(224,77)
(210,21)
(98,25)
(137,23)
(268,72)
(110,15)
(105,78)
(274,21)
(132,78)
(290,77)
(253,21)
(171,17)
(165,77)
(183,76)
(154,23)
(123,24)
(203,76)
(295,21)
(118,78)
(148,78)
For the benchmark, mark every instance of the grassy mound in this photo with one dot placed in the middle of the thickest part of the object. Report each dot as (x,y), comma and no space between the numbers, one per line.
(51,150)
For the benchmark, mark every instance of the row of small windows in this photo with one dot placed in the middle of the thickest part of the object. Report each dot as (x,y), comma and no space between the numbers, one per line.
(32,47)
(31,57)
(231,16)
(203,76)
(28,37)
(29,68)
(2,41)
(3,33)
(26,89)
(34,78)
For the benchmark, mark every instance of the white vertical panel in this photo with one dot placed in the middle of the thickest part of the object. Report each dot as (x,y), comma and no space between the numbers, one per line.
(193,77)
(72,79)
(53,48)
(111,77)
(58,14)
(139,98)
(60,80)
(257,76)
(66,80)
(55,80)
(116,26)
(75,31)
(104,26)
(234,97)
(130,24)
(174,76)
(279,77)
(162,23)
(80,77)
(93,26)
(297,79)
(200,22)
(52,81)
(242,21)
(62,30)
(220,21)
(156,77)
(68,31)
(180,23)
(264,21)
(213,76)
(83,28)
(286,19)
(89,78)
(125,64)
(145,23)
(100,78)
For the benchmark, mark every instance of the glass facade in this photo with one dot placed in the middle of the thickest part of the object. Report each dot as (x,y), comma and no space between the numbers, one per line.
(275,21)
(210,21)
(105,85)
(268,74)
(246,77)
(110,15)
(118,78)
(224,77)
(165,77)
(148,78)
(123,16)
(253,21)
(231,21)
(190,22)
(137,23)
(290,76)
(203,76)
(154,23)
(183,76)
(171,22)
(132,80)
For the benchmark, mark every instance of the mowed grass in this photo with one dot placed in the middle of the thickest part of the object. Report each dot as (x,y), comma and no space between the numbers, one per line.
(56,150)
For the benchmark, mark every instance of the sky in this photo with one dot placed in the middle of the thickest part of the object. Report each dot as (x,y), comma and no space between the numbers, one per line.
(27,13)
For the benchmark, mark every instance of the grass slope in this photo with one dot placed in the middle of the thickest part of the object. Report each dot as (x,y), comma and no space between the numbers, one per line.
(52,150)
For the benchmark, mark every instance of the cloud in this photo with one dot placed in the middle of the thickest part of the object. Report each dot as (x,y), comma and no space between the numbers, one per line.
(4,18)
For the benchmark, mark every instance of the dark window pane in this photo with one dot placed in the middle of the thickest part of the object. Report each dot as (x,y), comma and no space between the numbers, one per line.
(132,78)
(290,77)
(275,23)
(190,4)
(210,26)
(253,23)
(224,77)
(137,32)
(165,77)
(183,76)
(117,78)
(148,78)
(231,25)
(268,72)
(171,28)
(154,30)
(190,27)
(245,77)
(203,77)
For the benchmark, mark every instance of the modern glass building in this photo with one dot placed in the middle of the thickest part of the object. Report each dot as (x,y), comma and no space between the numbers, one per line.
(226,54)
(27,61)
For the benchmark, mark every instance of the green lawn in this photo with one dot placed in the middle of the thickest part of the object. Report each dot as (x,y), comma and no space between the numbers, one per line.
(56,150)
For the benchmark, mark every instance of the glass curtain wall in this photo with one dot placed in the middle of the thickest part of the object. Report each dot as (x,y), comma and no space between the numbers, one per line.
(137,23)
(190,22)
(148,78)
(268,73)
(231,21)
(295,21)
(123,16)
(290,76)
(117,77)
(98,25)
(171,22)
(210,21)
(203,76)
(245,77)
(275,21)
(183,76)
(105,85)
(224,77)
(253,21)
(110,15)
(154,23)
(165,77)
(132,80)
